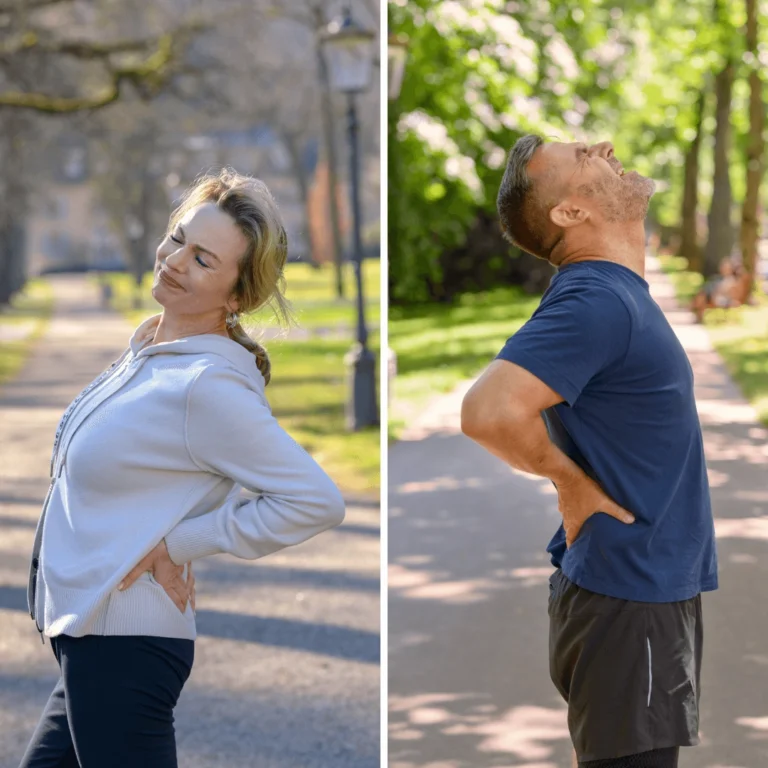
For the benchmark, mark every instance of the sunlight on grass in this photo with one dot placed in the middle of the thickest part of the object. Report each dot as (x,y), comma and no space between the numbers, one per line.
(32,307)
(438,346)
(687,284)
(307,393)
(310,291)
(740,335)
(309,384)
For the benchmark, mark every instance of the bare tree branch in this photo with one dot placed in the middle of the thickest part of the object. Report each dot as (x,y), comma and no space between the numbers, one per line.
(29,5)
(147,76)
(30,42)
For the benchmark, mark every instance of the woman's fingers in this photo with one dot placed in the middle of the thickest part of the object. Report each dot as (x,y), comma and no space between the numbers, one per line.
(145,564)
(178,593)
(191,585)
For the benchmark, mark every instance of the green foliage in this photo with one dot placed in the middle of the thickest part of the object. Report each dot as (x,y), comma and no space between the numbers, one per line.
(482,73)
(439,346)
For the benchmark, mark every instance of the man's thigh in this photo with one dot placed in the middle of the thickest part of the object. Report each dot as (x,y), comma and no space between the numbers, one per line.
(629,672)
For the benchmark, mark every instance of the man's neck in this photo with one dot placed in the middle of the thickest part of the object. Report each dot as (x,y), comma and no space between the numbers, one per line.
(620,245)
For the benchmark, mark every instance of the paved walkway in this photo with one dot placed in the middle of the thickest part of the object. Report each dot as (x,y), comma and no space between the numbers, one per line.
(469,681)
(286,671)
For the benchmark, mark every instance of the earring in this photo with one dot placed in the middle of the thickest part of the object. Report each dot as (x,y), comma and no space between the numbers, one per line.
(232,319)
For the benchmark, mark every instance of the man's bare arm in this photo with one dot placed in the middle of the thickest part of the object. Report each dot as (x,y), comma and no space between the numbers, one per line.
(502,412)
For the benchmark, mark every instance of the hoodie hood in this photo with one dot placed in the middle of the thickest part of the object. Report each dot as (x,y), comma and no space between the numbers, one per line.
(204,343)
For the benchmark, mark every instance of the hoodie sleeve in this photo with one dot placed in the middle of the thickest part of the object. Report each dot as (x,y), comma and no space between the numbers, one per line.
(231,432)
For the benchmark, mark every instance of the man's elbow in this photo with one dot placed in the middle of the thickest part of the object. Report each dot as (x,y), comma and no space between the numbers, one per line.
(475,417)
(485,422)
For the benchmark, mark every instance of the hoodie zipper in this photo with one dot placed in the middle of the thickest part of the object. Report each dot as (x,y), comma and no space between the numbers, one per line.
(73,406)
(35,564)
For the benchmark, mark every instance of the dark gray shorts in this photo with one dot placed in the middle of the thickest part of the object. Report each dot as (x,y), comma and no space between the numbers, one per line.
(628,671)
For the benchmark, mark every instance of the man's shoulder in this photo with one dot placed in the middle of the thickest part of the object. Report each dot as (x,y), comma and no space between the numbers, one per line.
(589,292)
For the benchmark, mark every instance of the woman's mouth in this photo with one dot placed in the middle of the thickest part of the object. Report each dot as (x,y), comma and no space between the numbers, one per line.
(168,280)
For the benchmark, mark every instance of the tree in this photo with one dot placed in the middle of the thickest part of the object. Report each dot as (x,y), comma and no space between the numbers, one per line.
(45,71)
(313,15)
(147,64)
(479,76)
(720,239)
(689,244)
(756,146)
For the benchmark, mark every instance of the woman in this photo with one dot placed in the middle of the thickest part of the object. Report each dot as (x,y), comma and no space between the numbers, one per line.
(146,466)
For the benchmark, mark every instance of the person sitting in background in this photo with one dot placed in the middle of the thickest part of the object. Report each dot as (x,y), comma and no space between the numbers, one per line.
(728,289)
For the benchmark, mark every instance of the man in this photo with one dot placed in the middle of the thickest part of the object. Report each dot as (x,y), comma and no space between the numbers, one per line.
(595,392)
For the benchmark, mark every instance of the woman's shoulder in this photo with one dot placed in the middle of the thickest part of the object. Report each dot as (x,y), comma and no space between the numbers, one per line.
(215,377)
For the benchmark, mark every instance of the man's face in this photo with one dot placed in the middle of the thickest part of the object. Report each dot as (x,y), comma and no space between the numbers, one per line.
(592,178)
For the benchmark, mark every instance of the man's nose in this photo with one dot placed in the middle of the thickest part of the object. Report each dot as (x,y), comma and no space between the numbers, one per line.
(603,149)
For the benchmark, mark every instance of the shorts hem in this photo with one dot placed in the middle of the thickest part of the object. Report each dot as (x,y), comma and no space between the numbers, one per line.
(656,744)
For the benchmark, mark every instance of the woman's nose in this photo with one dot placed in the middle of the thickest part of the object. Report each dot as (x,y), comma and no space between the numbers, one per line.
(175,259)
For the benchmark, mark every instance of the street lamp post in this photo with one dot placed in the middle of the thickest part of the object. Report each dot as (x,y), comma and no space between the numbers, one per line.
(349,50)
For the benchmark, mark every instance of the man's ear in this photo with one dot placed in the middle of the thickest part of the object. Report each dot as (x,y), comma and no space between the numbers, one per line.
(567,214)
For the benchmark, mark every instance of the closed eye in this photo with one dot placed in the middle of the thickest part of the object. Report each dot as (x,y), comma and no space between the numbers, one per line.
(197,257)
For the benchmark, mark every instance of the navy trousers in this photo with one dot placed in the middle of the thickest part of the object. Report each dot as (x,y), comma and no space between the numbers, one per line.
(113,704)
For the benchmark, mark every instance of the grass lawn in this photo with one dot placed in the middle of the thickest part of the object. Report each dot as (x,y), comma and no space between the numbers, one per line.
(438,346)
(740,335)
(310,291)
(309,379)
(32,307)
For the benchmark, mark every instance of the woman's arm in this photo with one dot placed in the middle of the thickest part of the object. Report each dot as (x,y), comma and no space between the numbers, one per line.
(230,431)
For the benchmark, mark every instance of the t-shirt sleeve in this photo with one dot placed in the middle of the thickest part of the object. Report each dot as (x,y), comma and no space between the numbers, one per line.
(573,336)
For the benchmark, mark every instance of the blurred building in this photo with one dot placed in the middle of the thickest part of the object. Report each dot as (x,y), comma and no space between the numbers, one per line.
(68,229)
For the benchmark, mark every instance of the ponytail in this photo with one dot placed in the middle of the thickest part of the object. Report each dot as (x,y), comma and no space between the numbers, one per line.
(239,335)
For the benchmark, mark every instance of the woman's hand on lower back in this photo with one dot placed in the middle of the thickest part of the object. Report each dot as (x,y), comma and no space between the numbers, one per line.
(166,573)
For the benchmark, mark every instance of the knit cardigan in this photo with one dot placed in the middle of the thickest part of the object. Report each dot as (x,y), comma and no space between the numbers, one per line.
(158,447)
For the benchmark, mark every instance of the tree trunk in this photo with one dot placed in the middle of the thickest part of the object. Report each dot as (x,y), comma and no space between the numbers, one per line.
(721,234)
(689,245)
(13,201)
(755,147)
(303,184)
(329,135)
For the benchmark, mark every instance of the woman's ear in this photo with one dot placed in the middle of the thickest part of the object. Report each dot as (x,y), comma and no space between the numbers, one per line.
(567,214)
(233,305)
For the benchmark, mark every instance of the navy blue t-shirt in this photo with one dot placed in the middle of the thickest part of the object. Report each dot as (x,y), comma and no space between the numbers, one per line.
(629,420)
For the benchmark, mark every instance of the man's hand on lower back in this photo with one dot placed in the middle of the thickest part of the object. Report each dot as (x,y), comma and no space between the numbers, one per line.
(580,497)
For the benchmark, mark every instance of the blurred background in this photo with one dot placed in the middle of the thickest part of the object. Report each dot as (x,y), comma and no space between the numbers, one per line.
(108,111)
(679,88)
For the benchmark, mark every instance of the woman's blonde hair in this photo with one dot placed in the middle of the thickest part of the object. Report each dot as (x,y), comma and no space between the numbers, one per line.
(260,281)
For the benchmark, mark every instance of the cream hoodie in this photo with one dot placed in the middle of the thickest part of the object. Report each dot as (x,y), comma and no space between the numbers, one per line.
(159,446)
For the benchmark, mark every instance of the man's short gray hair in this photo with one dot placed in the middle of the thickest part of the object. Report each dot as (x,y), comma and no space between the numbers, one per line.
(522,213)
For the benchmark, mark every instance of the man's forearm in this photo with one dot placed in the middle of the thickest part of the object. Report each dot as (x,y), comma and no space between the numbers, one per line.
(524,444)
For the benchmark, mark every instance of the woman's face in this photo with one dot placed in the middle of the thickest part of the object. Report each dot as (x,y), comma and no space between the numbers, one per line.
(196,264)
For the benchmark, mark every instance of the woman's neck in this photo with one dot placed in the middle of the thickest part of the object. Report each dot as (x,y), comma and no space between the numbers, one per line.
(173,328)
